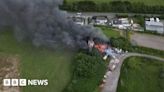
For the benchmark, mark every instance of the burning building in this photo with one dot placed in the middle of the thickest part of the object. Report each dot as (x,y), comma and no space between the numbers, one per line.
(104,48)
(101,47)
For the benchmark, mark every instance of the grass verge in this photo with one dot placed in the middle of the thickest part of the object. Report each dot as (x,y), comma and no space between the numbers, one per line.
(38,63)
(109,32)
(140,74)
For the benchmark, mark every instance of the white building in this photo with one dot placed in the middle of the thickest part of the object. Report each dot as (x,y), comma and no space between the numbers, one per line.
(100,20)
(154,24)
(79,20)
(121,23)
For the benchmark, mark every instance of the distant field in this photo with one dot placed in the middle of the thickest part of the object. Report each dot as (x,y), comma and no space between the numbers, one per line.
(141,75)
(39,63)
(148,2)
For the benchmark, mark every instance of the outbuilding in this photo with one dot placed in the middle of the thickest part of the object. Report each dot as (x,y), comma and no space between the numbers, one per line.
(154,24)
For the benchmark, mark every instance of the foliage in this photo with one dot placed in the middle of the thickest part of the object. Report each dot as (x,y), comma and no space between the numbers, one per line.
(120,42)
(142,74)
(149,51)
(113,6)
(124,44)
(140,20)
(161,16)
(147,2)
(88,72)
(79,6)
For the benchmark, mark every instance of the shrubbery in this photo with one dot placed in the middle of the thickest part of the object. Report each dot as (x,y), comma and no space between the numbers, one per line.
(148,51)
(88,72)
(121,43)
(79,6)
(112,6)
(124,44)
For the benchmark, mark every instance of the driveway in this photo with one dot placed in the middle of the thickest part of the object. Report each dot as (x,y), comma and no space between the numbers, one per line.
(146,40)
(112,80)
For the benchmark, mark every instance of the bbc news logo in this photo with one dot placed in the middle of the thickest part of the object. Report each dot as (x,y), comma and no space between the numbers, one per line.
(24,82)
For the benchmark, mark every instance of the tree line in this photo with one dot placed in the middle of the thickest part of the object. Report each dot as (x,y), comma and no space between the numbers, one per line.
(112,6)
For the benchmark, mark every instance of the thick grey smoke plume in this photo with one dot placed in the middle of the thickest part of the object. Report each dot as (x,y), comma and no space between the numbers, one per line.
(41,22)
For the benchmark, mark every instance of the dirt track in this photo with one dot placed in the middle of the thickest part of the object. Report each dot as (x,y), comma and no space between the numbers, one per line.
(9,68)
(146,40)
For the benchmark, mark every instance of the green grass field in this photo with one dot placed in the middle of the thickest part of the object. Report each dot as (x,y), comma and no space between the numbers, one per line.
(39,63)
(141,75)
(109,32)
(147,2)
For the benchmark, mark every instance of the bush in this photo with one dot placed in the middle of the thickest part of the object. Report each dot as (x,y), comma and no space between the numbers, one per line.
(148,51)
(140,20)
(162,16)
(84,6)
(88,72)
(120,42)
(124,44)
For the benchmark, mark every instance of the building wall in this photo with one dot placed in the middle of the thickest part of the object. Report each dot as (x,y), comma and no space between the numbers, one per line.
(155,26)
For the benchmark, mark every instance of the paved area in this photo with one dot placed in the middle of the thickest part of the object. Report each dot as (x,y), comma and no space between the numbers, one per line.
(146,40)
(89,14)
(112,80)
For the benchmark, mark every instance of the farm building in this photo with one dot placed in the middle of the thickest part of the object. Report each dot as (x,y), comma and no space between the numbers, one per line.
(154,24)
(121,23)
(78,20)
(100,20)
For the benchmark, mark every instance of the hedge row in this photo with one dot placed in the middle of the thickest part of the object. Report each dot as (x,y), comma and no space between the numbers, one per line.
(126,45)
(89,69)
(112,6)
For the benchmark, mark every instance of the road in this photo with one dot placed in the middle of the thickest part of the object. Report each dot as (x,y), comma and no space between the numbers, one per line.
(90,14)
(147,40)
(112,80)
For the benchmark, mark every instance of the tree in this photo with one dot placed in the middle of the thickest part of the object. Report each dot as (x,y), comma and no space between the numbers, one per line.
(121,42)
(86,65)
(88,72)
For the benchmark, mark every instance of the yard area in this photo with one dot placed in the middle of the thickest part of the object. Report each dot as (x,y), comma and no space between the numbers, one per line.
(147,2)
(39,63)
(109,32)
(141,75)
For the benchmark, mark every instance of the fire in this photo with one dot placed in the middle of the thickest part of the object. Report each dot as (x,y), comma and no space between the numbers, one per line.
(101,47)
